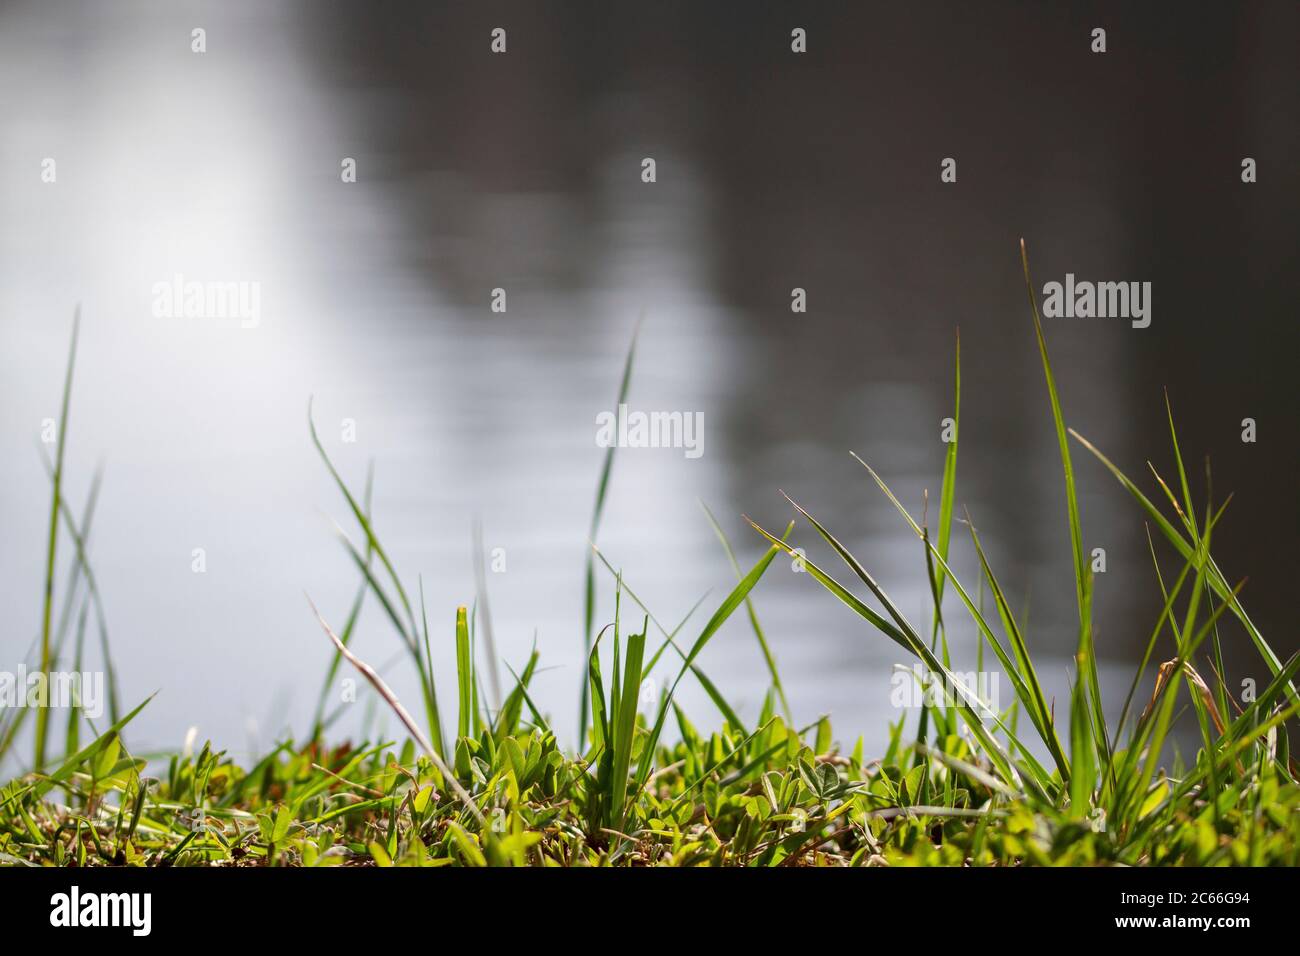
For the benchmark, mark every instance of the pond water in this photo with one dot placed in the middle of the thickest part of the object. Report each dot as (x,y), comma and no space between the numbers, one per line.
(523,172)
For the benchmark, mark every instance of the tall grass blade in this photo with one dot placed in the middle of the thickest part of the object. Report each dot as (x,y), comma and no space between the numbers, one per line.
(724,707)
(42,713)
(354,613)
(1088,683)
(624,726)
(481,606)
(464,677)
(386,692)
(720,616)
(91,750)
(371,540)
(948,492)
(602,488)
(1214,576)
(903,634)
(768,658)
(1039,716)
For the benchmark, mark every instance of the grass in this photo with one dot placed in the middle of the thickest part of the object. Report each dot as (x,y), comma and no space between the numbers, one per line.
(966,786)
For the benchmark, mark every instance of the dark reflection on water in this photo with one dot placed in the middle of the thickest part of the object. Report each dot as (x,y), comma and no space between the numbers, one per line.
(522,172)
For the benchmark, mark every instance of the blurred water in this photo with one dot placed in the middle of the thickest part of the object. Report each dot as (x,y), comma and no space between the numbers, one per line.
(523,172)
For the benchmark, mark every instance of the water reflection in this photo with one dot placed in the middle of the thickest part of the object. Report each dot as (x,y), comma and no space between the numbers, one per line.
(522,173)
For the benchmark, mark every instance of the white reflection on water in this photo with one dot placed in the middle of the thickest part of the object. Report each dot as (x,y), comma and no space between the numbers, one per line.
(225,168)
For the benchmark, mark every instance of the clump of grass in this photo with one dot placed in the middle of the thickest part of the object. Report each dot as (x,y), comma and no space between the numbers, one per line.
(965,789)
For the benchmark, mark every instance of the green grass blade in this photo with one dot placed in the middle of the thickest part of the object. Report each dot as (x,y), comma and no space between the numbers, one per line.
(1083,749)
(624,728)
(81,569)
(481,603)
(42,714)
(948,492)
(768,658)
(602,489)
(1071,498)
(507,722)
(91,750)
(71,591)
(1039,716)
(1086,655)
(521,685)
(464,677)
(354,613)
(599,720)
(1215,577)
(371,540)
(1034,700)
(1190,514)
(905,635)
(724,707)
(720,616)
(72,736)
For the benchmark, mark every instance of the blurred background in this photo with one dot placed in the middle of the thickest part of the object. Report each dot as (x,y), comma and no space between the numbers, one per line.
(522,171)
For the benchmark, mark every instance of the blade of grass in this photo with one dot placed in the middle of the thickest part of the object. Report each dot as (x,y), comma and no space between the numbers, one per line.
(728,712)
(602,488)
(357,512)
(724,611)
(1041,718)
(91,750)
(464,677)
(42,714)
(384,691)
(92,586)
(508,716)
(768,657)
(948,492)
(1217,581)
(481,603)
(409,637)
(72,736)
(624,726)
(1034,700)
(906,637)
(1089,683)
(354,614)
(421,659)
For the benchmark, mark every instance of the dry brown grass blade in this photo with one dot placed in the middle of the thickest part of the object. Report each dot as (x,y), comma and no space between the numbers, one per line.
(386,692)
(1198,684)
